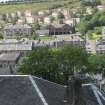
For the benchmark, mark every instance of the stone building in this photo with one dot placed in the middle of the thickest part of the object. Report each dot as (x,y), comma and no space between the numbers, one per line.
(60,29)
(17,30)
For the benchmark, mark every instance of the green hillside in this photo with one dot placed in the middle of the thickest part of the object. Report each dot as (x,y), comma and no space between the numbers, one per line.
(37,6)
(47,4)
(31,6)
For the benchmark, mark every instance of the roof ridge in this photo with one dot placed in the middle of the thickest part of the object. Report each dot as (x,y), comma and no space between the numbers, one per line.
(14,75)
(38,90)
(48,81)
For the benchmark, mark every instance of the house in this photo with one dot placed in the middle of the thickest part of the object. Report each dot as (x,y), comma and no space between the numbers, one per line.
(55,14)
(11,45)
(29,19)
(32,19)
(71,22)
(10,29)
(19,14)
(90,46)
(47,20)
(41,13)
(60,29)
(103,32)
(9,58)
(31,90)
(101,7)
(9,62)
(66,13)
(68,40)
(28,13)
(20,21)
(89,10)
(100,47)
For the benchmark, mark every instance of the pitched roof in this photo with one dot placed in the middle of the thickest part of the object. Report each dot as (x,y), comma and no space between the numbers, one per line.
(30,90)
(6,57)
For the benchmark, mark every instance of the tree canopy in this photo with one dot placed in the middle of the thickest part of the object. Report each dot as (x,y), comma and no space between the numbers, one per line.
(54,64)
(90,2)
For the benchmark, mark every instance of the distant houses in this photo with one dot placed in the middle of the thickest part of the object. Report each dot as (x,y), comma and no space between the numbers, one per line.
(17,29)
(100,47)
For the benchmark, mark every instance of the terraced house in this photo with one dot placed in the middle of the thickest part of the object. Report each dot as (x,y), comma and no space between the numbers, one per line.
(17,29)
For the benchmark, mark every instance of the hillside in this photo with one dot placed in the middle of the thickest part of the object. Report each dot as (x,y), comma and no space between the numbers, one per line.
(37,6)
(32,6)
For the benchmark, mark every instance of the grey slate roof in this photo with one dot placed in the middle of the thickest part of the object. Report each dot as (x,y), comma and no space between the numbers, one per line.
(19,90)
(9,57)
(30,90)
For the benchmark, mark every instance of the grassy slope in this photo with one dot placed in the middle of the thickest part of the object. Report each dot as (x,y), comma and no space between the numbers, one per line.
(33,6)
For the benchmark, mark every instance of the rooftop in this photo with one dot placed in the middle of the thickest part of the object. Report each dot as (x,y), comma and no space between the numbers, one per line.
(9,57)
(31,90)
(17,26)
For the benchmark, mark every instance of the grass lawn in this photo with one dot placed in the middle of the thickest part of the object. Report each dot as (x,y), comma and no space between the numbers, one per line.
(46,38)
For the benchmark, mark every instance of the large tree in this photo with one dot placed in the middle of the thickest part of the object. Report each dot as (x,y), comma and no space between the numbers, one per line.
(72,59)
(41,62)
(96,63)
(54,64)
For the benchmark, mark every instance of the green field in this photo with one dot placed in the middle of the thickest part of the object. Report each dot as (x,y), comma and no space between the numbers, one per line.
(31,6)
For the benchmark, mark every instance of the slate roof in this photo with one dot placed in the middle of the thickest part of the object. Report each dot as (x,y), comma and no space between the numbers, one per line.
(19,90)
(6,57)
(30,90)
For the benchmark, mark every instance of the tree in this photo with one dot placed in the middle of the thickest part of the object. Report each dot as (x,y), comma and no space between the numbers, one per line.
(98,30)
(1,36)
(14,19)
(35,26)
(34,37)
(83,27)
(71,60)
(54,64)
(96,64)
(42,63)
(90,2)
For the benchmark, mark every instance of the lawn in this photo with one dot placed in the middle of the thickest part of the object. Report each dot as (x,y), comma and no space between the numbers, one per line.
(46,38)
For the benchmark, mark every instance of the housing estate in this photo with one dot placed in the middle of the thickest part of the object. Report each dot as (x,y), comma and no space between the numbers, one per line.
(59,29)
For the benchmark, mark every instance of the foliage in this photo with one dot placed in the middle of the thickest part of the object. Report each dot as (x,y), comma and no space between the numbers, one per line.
(90,2)
(42,63)
(90,22)
(96,63)
(1,36)
(98,30)
(34,37)
(84,26)
(35,26)
(14,19)
(54,65)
